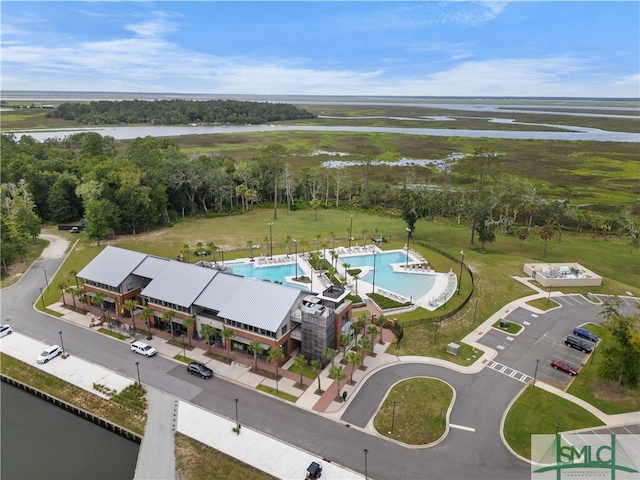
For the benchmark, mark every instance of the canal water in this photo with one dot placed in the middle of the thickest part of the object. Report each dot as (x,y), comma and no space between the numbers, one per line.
(43,442)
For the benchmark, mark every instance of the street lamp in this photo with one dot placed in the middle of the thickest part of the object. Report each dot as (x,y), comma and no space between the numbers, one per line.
(393,416)
(296,242)
(277,391)
(184,347)
(557,428)
(61,342)
(138,370)
(406,265)
(548,296)
(237,424)
(42,297)
(270,239)
(366,470)
(350,231)
(536,372)
(46,280)
(461,266)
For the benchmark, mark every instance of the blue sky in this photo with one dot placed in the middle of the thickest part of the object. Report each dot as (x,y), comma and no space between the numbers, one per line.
(513,48)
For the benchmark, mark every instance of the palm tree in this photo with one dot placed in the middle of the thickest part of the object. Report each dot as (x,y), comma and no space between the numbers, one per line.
(300,362)
(74,274)
(98,298)
(336,373)
(189,323)
(316,366)
(355,276)
(146,314)
(354,359)
(186,251)
(381,322)
(206,331)
(344,341)
(373,331)
(227,334)
(214,248)
(276,355)
(330,353)
(250,245)
(62,287)
(129,306)
(364,347)
(168,317)
(257,349)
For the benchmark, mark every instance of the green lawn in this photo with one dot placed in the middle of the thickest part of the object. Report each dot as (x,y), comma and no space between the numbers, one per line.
(420,413)
(512,328)
(537,411)
(543,304)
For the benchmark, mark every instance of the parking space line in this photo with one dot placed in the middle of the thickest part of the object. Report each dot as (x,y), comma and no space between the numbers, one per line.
(461,427)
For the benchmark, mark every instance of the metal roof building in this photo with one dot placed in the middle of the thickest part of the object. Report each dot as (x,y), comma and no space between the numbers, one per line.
(112,266)
(179,283)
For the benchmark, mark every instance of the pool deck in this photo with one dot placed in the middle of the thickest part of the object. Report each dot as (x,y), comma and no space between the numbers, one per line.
(443,289)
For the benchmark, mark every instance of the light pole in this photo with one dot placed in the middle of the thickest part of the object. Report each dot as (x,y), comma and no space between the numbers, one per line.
(406,265)
(374,271)
(296,242)
(277,391)
(46,280)
(184,348)
(138,370)
(222,252)
(366,469)
(42,297)
(461,267)
(350,231)
(61,342)
(557,428)
(548,296)
(237,423)
(536,372)
(270,239)
(393,416)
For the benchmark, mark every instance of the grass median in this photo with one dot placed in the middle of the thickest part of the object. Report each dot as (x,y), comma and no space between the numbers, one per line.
(537,411)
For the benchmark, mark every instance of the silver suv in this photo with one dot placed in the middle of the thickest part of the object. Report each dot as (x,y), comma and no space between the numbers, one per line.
(575,342)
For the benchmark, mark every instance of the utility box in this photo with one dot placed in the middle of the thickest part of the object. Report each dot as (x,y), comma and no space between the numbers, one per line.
(452,348)
(504,323)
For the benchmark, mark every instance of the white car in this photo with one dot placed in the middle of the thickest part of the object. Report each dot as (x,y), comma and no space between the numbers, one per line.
(49,353)
(5,330)
(143,349)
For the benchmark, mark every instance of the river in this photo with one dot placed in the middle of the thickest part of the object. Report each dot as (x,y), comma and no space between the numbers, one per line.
(43,442)
(128,133)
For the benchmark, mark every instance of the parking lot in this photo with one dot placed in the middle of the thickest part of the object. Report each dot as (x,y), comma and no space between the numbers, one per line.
(540,341)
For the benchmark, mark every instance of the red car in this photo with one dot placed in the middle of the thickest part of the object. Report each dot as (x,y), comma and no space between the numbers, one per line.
(565,367)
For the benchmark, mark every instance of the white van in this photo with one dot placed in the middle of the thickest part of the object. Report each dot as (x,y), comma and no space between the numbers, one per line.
(143,349)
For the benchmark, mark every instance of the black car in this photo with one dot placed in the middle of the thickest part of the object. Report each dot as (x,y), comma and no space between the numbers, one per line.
(196,368)
(584,333)
(575,342)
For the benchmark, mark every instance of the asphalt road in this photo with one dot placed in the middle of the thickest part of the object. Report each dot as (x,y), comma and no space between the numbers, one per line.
(481,399)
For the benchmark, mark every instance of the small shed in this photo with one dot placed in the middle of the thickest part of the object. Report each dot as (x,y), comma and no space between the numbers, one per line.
(452,348)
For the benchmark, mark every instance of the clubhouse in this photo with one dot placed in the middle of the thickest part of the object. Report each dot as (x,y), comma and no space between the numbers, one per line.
(274,315)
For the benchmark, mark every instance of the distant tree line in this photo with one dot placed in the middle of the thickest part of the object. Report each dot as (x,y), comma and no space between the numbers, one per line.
(177,112)
(153,183)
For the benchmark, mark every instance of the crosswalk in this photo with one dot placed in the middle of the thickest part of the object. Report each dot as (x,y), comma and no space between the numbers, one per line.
(509,372)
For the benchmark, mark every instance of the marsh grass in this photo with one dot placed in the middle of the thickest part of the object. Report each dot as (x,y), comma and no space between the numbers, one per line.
(124,413)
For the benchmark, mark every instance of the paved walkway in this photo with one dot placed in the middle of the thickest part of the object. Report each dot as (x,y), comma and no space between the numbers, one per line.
(167,414)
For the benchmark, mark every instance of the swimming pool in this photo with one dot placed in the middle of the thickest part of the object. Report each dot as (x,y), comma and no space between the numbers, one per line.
(406,284)
(272,273)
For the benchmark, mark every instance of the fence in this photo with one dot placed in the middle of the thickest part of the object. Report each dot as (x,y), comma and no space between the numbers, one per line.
(398,329)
